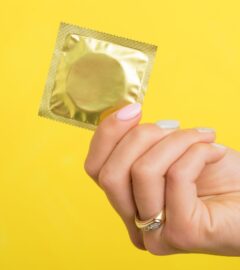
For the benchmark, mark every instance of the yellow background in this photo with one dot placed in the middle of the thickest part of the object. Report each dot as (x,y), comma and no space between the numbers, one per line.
(48,205)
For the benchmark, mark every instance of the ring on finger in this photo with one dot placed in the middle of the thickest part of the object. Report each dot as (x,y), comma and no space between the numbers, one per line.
(152,223)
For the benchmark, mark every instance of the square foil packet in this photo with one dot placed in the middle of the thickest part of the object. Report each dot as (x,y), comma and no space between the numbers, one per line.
(93,74)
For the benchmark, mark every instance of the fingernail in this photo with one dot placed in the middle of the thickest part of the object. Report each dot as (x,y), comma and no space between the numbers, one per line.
(205,130)
(129,111)
(168,124)
(219,145)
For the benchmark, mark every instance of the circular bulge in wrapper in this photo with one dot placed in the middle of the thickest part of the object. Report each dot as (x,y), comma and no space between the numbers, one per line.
(93,74)
(95,82)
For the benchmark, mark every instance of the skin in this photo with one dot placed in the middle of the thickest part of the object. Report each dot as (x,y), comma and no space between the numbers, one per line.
(144,168)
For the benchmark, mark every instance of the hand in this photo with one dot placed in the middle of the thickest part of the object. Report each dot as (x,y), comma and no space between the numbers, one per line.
(144,167)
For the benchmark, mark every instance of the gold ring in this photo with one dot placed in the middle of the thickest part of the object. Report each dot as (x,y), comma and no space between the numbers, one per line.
(150,224)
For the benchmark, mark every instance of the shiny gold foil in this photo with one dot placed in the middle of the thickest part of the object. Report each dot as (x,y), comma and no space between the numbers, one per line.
(93,74)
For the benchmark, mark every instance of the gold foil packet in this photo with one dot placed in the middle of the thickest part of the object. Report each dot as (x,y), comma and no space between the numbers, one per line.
(93,74)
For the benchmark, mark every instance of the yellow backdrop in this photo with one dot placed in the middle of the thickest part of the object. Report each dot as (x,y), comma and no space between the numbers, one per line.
(48,205)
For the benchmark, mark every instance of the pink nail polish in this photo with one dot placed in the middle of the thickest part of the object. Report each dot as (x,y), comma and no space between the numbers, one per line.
(129,111)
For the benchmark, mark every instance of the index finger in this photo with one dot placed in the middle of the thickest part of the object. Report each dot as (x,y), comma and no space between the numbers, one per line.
(107,135)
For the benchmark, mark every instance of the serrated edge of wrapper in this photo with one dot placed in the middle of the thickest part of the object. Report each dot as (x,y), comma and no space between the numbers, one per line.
(65,29)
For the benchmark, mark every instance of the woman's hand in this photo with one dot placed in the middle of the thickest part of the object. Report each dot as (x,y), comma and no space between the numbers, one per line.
(144,167)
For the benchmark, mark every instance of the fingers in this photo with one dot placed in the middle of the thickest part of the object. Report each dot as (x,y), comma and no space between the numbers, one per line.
(114,176)
(108,134)
(220,177)
(148,178)
(181,191)
(183,230)
(149,170)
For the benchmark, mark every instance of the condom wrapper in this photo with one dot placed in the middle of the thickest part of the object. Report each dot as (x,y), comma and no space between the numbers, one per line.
(93,74)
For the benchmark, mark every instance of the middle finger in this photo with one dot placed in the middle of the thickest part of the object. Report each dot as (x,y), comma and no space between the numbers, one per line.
(115,177)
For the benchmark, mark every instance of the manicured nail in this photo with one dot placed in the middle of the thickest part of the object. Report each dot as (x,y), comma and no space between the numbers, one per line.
(219,145)
(129,111)
(168,124)
(205,130)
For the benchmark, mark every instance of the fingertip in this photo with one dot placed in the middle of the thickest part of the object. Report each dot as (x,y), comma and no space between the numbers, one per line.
(137,241)
(129,112)
(168,124)
(220,147)
(216,152)
(121,120)
(205,130)
(206,134)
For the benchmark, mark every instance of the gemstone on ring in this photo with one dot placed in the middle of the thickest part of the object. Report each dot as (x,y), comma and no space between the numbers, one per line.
(150,224)
(153,226)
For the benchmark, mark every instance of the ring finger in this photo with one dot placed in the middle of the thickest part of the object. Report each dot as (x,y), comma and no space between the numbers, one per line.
(149,170)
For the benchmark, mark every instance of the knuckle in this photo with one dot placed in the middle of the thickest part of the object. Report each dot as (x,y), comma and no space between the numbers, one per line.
(200,148)
(141,169)
(176,173)
(140,132)
(106,179)
(89,169)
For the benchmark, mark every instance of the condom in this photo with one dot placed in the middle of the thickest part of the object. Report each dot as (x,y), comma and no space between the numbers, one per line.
(92,74)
